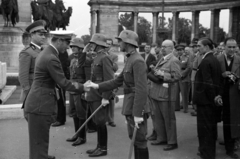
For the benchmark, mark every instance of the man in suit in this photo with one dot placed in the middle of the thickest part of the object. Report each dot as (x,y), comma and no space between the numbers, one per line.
(230,66)
(184,83)
(134,81)
(196,60)
(41,102)
(163,96)
(148,57)
(207,88)
(102,70)
(149,60)
(28,56)
(114,58)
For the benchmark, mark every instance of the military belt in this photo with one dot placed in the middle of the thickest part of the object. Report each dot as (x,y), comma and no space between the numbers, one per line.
(129,90)
(45,85)
(97,79)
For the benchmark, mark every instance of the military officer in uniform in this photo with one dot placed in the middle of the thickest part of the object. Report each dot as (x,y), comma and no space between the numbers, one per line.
(28,55)
(102,70)
(80,105)
(41,102)
(134,81)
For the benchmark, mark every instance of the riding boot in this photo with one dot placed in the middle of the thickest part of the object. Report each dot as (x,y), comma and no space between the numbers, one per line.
(103,135)
(141,153)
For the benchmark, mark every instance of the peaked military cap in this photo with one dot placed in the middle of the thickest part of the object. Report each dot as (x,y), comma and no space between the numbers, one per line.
(180,46)
(194,42)
(62,34)
(37,26)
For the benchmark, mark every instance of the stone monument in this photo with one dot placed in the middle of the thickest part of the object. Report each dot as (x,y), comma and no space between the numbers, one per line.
(11,37)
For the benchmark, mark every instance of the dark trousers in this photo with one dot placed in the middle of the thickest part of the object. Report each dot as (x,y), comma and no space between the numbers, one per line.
(61,114)
(38,129)
(228,140)
(140,140)
(111,111)
(207,130)
(100,119)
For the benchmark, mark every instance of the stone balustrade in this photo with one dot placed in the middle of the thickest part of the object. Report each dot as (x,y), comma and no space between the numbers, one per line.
(3,75)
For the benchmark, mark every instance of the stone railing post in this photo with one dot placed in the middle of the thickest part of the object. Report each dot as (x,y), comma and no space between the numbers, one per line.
(3,75)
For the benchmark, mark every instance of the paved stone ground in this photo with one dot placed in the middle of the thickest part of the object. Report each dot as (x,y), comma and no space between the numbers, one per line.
(14,140)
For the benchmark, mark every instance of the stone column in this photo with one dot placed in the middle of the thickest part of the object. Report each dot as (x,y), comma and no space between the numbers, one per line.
(230,23)
(235,23)
(195,24)
(93,21)
(175,26)
(155,25)
(214,24)
(135,15)
(107,22)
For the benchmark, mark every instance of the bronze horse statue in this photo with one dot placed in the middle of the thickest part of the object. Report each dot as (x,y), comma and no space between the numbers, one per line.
(55,14)
(9,10)
(42,12)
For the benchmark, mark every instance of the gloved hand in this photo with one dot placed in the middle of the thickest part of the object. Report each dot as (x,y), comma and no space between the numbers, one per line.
(105,102)
(218,100)
(138,120)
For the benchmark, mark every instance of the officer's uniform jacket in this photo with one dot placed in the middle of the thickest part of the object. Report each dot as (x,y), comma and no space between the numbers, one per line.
(196,62)
(134,81)
(102,70)
(27,59)
(42,97)
(172,73)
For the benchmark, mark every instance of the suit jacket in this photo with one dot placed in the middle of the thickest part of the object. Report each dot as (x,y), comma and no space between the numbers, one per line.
(42,97)
(172,74)
(186,68)
(27,59)
(150,59)
(233,94)
(102,70)
(196,62)
(134,80)
(208,81)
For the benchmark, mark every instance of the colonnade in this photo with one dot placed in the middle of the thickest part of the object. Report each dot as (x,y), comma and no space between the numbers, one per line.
(234,19)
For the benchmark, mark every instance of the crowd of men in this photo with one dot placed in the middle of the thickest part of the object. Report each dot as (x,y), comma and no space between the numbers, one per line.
(202,74)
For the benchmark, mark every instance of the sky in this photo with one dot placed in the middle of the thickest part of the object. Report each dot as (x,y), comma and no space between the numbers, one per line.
(80,19)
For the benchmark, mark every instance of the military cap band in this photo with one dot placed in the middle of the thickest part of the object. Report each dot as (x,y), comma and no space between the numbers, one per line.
(66,35)
(36,26)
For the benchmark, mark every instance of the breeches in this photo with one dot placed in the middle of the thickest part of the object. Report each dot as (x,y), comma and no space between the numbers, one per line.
(79,106)
(101,117)
(140,140)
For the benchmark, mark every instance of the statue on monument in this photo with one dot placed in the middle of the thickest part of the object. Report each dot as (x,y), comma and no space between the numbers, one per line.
(55,14)
(9,10)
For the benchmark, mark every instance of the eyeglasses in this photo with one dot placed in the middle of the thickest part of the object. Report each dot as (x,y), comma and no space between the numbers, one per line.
(231,47)
(164,47)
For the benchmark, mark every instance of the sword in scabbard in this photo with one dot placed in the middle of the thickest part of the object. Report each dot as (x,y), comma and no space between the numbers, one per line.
(82,126)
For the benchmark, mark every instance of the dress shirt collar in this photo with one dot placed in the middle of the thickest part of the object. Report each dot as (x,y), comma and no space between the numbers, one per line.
(206,54)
